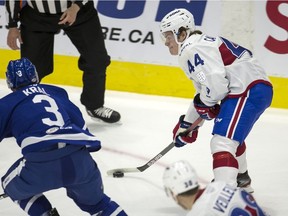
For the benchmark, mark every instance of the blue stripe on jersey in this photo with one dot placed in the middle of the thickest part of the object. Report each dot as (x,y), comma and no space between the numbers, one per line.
(230,51)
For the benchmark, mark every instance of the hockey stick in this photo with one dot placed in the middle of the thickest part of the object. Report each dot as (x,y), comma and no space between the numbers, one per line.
(2,196)
(154,159)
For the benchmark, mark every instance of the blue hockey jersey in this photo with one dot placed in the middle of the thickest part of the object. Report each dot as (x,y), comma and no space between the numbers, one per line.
(39,116)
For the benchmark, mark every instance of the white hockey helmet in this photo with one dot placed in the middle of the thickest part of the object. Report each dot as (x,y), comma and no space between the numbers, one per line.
(176,19)
(179,177)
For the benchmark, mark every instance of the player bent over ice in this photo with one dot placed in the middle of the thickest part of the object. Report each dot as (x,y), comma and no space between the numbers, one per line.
(217,199)
(231,87)
(55,144)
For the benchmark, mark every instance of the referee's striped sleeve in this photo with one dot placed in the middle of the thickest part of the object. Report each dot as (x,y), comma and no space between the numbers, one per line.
(12,12)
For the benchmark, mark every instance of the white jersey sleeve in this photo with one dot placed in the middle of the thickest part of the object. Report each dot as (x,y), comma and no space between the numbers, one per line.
(221,199)
(191,114)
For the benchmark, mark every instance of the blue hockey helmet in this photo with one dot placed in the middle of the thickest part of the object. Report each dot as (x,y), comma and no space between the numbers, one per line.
(21,72)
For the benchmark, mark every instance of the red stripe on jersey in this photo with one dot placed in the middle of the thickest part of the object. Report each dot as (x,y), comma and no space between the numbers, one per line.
(252,211)
(236,117)
(227,56)
(224,159)
(241,149)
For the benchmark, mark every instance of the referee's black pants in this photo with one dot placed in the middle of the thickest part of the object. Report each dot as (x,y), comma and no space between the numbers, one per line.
(38,31)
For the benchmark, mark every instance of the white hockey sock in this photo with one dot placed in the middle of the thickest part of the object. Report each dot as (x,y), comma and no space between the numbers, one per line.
(226,174)
(241,158)
(242,163)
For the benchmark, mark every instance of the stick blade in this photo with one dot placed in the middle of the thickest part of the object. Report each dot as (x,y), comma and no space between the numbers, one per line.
(124,170)
(2,196)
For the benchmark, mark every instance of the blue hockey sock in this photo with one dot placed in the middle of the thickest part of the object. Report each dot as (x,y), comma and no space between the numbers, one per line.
(105,207)
(36,205)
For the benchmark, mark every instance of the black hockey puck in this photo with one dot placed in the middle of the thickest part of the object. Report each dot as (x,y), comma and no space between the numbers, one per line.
(118,174)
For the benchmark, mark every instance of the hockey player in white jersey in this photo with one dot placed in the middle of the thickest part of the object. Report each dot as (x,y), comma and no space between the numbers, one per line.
(230,86)
(216,199)
(55,145)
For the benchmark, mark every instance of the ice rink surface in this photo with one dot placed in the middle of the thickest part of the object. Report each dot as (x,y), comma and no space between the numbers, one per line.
(145,129)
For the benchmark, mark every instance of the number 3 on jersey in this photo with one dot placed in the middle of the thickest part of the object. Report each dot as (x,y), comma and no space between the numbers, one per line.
(197,61)
(52,108)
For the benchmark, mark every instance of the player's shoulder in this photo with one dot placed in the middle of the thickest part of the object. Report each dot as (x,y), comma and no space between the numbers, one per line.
(217,184)
(203,39)
(215,189)
(218,187)
(207,203)
(53,90)
(197,43)
(52,87)
(6,101)
(11,100)
(189,44)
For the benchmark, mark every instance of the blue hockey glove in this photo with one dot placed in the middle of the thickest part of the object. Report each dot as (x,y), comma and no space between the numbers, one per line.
(180,138)
(204,111)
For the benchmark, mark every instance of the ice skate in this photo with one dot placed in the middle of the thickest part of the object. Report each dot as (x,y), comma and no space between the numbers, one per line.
(105,114)
(244,181)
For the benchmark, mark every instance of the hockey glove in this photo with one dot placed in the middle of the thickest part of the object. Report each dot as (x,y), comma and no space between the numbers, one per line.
(204,111)
(180,138)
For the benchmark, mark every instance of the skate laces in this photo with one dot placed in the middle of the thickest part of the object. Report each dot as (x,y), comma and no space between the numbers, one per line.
(104,112)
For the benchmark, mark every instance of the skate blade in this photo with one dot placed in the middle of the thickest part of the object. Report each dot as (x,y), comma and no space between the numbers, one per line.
(100,121)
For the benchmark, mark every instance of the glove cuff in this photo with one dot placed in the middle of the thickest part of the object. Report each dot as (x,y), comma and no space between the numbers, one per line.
(184,124)
(197,101)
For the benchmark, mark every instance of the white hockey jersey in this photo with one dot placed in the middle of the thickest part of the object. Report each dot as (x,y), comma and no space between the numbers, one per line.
(220,199)
(218,68)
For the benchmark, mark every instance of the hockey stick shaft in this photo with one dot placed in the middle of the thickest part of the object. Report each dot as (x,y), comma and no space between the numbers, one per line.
(157,157)
(168,148)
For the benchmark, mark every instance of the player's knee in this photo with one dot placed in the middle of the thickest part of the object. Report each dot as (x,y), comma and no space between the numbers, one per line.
(223,144)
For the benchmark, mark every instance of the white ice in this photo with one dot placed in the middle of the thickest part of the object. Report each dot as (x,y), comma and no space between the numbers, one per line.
(146,129)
